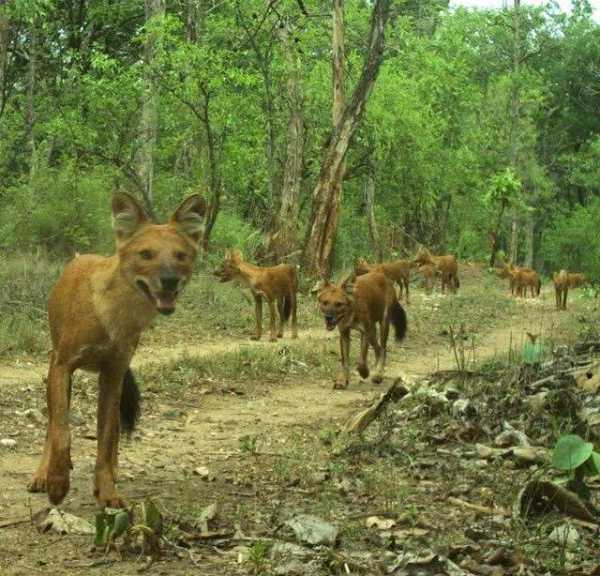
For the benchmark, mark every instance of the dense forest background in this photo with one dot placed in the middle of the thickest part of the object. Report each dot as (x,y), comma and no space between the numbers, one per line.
(481,133)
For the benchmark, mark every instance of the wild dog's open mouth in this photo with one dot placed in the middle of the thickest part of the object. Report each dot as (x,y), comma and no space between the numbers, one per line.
(330,321)
(164,300)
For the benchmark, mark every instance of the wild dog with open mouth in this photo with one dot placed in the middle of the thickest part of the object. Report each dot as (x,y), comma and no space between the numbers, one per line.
(97,311)
(398,271)
(276,284)
(446,266)
(361,305)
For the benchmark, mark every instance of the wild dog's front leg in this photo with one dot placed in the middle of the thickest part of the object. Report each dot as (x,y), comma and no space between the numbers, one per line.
(258,313)
(273,320)
(362,366)
(109,401)
(343,378)
(52,474)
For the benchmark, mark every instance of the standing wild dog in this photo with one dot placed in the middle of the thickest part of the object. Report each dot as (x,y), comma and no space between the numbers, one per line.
(445,265)
(520,278)
(563,280)
(370,300)
(277,284)
(429,273)
(397,271)
(97,311)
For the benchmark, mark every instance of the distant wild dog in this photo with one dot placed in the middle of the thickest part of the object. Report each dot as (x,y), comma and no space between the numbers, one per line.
(361,305)
(520,278)
(97,311)
(429,273)
(564,280)
(398,271)
(445,265)
(278,285)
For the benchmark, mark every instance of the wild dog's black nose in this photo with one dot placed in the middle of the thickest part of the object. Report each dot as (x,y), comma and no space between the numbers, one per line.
(169,283)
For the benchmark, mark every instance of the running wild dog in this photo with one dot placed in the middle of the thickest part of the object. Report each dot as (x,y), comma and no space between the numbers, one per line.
(445,265)
(564,280)
(278,285)
(97,311)
(397,271)
(361,305)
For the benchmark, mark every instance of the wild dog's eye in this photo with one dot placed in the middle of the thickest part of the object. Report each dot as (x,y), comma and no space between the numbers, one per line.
(180,256)
(338,304)
(146,254)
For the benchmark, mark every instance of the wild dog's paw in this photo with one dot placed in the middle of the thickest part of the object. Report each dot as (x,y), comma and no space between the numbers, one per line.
(363,370)
(107,497)
(377,378)
(37,484)
(57,486)
(341,382)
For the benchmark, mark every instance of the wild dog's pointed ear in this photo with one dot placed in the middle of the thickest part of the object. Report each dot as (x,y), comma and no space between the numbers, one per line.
(347,284)
(320,285)
(128,215)
(189,217)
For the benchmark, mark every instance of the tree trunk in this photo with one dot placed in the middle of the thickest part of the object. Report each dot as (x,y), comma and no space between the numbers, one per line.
(370,206)
(31,88)
(320,237)
(214,178)
(514,240)
(515,110)
(4,37)
(496,232)
(154,9)
(285,240)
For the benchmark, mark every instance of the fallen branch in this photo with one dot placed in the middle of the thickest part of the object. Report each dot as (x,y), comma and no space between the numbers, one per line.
(358,423)
(477,507)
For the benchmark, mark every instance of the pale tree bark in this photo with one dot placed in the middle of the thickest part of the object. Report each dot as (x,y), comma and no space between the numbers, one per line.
(31,90)
(4,39)
(154,9)
(284,241)
(515,125)
(370,206)
(318,247)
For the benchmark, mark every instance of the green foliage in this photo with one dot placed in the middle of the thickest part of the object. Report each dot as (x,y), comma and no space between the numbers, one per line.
(572,241)
(572,454)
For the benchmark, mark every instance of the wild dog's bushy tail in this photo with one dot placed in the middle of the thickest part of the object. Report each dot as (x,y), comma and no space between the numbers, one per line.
(538,288)
(398,317)
(456,282)
(130,403)
(287,306)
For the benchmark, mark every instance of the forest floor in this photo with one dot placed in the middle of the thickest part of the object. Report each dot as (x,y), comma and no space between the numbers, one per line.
(253,428)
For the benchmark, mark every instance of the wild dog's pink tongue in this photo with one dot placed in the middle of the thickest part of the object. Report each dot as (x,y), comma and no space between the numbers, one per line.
(165,302)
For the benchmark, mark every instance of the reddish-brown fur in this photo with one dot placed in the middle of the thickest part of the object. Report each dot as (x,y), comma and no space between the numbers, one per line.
(445,265)
(564,280)
(97,311)
(429,273)
(371,300)
(277,284)
(397,271)
(520,278)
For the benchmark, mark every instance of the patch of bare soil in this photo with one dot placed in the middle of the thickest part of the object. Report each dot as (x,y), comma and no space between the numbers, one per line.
(269,455)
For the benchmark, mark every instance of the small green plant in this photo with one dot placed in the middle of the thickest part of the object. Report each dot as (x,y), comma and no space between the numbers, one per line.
(573,455)
(257,556)
(249,444)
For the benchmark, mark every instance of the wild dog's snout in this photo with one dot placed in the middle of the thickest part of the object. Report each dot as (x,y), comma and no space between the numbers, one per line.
(169,282)
(330,320)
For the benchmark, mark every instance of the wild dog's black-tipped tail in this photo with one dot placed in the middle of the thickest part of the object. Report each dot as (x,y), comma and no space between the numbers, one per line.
(398,317)
(130,403)
(287,307)
(456,282)
(539,286)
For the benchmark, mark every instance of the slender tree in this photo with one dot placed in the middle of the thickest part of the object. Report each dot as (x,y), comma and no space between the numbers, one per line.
(320,237)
